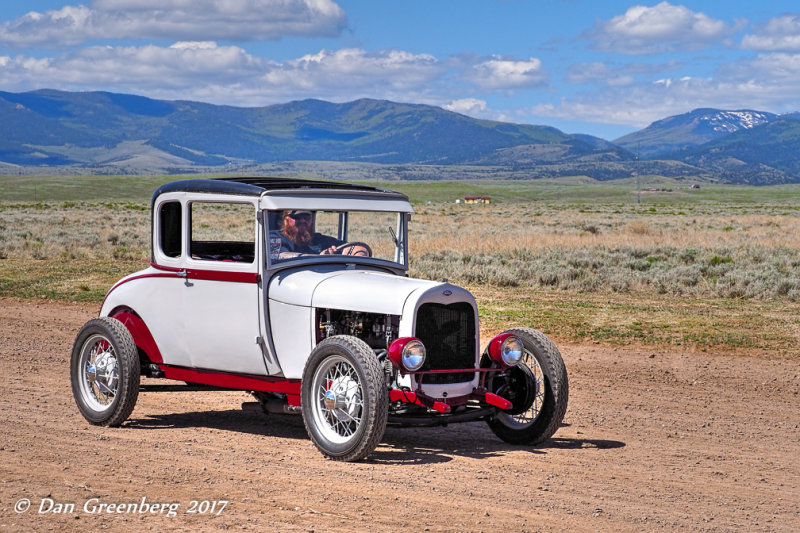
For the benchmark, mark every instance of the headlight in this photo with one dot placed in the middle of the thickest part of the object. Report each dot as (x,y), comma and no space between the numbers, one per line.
(506,349)
(407,353)
(413,355)
(511,351)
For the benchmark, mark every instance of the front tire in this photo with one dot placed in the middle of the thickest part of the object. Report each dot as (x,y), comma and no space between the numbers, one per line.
(104,371)
(344,398)
(537,386)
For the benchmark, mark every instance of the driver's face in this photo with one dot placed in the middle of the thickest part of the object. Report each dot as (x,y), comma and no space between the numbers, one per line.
(301,220)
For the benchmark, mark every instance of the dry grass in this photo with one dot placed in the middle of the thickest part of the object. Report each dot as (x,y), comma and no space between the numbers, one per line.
(75,232)
(710,277)
(709,252)
(487,230)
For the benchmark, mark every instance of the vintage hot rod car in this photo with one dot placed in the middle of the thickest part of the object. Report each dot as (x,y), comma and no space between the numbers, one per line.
(323,321)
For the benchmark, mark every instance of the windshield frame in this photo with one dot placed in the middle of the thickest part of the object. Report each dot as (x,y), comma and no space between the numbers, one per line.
(399,264)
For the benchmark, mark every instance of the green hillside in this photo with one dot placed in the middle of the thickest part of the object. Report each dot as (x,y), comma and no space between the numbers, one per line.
(60,128)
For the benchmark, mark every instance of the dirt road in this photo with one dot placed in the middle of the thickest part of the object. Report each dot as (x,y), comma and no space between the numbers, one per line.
(652,441)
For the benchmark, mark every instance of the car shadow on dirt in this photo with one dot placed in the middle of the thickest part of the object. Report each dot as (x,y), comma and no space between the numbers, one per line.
(410,446)
(237,420)
(474,440)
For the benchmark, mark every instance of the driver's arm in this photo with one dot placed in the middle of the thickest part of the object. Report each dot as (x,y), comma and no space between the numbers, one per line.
(331,250)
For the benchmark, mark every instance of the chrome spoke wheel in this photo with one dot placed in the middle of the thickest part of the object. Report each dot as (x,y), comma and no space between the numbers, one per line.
(538,389)
(531,413)
(99,377)
(338,404)
(104,371)
(344,399)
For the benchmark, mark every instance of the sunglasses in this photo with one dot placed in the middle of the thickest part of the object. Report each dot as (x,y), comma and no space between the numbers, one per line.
(301,216)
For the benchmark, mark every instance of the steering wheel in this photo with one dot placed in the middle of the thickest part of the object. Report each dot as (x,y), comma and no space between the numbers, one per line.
(352,244)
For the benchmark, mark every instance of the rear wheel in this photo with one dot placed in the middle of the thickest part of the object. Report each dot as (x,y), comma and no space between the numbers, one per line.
(344,398)
(537,387)
(104,371)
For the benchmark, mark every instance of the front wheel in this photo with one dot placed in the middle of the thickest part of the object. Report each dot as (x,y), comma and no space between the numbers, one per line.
(537,387)
(344,398)
(104,371)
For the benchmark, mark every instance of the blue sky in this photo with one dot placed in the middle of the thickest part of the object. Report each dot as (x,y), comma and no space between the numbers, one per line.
(602,68)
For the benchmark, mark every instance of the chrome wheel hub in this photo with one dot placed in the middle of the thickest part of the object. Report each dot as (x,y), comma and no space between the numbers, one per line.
(343,399)
(338,406)
(532,412)
(99,376)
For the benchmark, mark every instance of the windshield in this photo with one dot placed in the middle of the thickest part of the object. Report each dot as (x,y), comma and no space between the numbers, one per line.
(302,233)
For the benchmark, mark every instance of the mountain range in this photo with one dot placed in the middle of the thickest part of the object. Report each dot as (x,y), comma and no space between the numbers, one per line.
(108,132)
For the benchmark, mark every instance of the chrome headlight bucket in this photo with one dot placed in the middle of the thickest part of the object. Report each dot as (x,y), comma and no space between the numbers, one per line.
(407,354)
(511,351)
(506,349)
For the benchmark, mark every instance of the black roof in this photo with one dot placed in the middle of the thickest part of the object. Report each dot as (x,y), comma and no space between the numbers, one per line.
(257,185)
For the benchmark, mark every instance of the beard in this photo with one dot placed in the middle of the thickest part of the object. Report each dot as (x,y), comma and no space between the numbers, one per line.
(301,237)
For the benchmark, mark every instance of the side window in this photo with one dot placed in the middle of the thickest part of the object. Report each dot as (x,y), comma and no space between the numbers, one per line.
(170,223)
(222,231)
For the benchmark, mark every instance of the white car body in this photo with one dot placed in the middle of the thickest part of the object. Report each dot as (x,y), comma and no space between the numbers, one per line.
(330,325)
(263,312)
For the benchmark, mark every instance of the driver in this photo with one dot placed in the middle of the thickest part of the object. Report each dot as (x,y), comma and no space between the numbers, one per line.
(297,237)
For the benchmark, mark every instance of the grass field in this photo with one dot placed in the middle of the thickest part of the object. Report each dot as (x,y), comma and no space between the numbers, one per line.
(712,268)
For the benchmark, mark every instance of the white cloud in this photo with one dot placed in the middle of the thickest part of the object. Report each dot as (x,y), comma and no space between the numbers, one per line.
(171,70)
(778,34)
(613,75)
(233,20)
(498,73)
(228,74)
(353,73)
(206,71)
(642,104)
(467,106)
(636,107)
(661,28)
(773,79)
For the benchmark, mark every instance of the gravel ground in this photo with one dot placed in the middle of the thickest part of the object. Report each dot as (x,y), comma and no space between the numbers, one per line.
(652,440)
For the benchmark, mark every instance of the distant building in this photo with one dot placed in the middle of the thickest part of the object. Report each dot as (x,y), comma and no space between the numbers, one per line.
(477,199)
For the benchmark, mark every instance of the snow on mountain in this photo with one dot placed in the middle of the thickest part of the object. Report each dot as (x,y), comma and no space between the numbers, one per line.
(731,121)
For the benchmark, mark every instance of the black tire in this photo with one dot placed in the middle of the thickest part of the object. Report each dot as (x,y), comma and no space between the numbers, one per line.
(104,370)
(344,398)
(540,414)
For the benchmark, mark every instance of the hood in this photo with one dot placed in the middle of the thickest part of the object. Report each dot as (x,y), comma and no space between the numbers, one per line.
(335,288)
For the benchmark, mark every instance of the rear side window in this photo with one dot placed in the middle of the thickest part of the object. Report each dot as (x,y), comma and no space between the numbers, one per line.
(222,232)
(170,224)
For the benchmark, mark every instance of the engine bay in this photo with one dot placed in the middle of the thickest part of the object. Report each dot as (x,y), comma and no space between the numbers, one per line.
(377,330)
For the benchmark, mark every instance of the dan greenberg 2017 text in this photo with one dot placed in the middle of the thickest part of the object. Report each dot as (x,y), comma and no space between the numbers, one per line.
(96,506)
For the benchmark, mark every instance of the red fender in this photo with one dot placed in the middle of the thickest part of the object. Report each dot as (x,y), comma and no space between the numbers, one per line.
(141,334)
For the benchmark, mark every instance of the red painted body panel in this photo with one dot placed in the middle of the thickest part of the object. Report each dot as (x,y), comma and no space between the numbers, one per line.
(494,347)
(498,401)
(290,387)
(396,351)
(396,395)
(141,335)
(217,275)
(210,275)
(418,398)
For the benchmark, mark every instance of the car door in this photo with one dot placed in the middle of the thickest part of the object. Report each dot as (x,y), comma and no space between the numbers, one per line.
(220,291)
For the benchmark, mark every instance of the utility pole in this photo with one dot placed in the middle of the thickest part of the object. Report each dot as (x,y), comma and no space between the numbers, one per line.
(638,183)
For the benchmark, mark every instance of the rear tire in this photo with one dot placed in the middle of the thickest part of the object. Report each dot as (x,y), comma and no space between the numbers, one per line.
(104,371)
(344,398)
(537,386)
